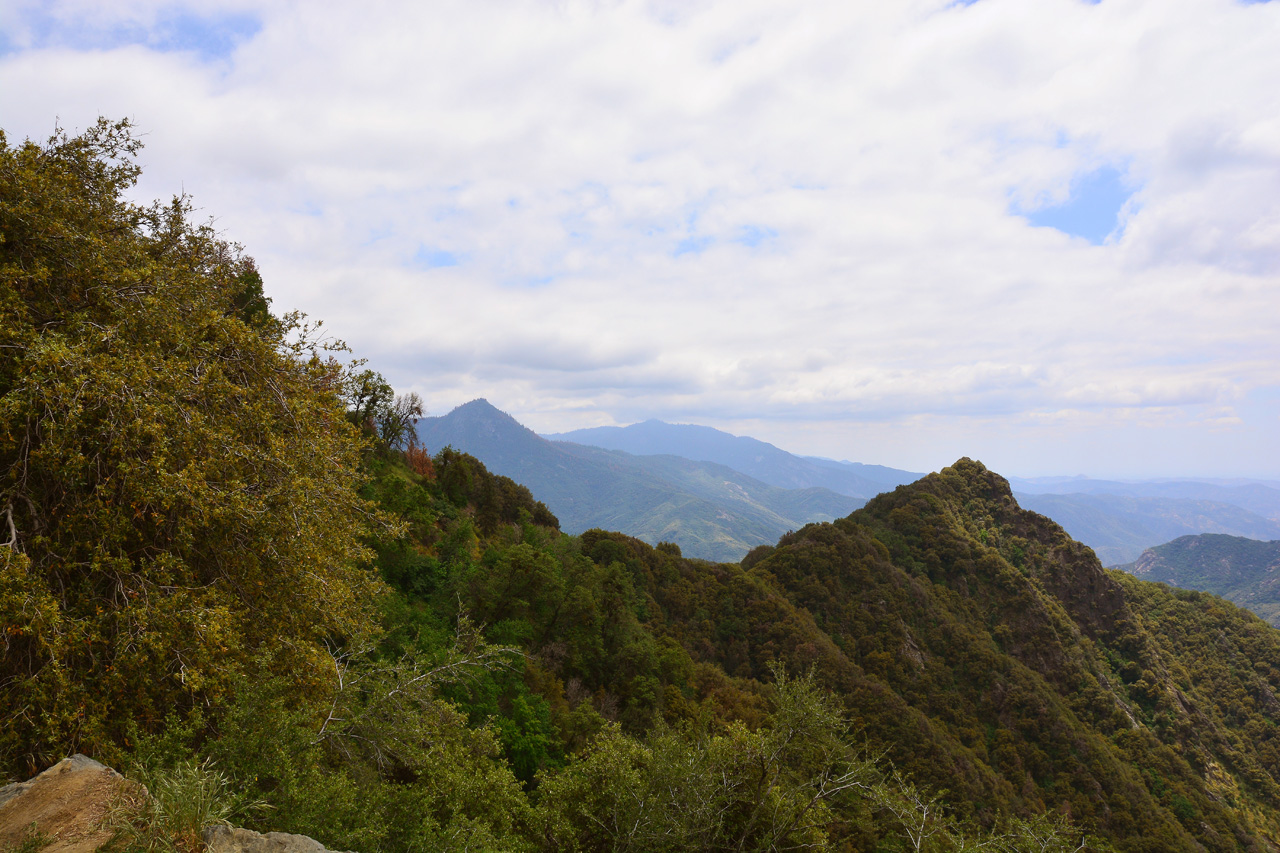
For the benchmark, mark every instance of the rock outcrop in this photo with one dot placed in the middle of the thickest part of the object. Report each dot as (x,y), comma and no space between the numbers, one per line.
(65,804)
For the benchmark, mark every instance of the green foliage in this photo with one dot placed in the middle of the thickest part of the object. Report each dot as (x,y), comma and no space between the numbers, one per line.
(387,764)
(177,479)
(365,393)
(170,815)
(495,500)
(374,406)
(1041,834)
(768,789)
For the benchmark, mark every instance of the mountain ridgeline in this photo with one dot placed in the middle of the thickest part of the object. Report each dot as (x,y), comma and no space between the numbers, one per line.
(708,509)
(1121,520)
(751,456)
(1003,663)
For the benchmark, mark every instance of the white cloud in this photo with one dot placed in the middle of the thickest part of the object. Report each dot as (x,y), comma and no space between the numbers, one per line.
(754,214)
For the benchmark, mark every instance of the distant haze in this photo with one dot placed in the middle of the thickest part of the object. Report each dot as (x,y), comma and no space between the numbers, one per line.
(1119,520)
(1041,234)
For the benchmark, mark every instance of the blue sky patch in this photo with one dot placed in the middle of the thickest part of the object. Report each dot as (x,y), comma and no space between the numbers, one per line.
(174,30)
(211,38)
(692,246)
(753,235)
(432,257)
(1092,211)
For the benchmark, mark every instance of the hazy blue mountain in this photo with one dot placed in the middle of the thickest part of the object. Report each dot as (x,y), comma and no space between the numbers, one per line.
(752,457)
(1260,497)
(710,510)
(1120,527)
(640,480)
(890,477)
(1244,571)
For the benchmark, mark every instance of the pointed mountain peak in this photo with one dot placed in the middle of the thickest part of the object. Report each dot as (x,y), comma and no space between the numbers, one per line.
(967,484)
(478,405)
(482,409)
(477,427)
(972,479)
(980,476)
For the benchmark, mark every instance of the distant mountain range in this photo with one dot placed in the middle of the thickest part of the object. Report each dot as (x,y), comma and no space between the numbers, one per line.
(718,495)
(1261,497)
(710,510)
(752,457)
(1121,520)
(1243,571)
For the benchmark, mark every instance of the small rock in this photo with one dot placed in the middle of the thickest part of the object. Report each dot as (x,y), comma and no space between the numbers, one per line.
(227,839)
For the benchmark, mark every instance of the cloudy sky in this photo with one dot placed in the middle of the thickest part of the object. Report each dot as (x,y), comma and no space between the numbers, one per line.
(1041,233)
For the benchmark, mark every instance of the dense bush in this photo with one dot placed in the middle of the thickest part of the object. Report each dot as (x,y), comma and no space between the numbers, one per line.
(178,478)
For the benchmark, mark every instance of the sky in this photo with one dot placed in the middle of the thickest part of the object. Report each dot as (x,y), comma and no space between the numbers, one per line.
(1040,233)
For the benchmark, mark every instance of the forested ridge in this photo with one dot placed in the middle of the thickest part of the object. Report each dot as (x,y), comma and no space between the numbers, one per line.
(225,558)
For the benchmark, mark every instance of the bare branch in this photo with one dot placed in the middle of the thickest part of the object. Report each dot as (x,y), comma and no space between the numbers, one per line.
(13,530)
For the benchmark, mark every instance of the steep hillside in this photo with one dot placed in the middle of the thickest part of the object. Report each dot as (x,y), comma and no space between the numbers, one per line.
(1000,659)
(973,644)
(709,510)
(1244,571)
(752,457)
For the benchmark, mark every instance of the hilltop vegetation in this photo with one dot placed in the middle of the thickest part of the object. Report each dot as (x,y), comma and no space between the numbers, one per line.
(227,553)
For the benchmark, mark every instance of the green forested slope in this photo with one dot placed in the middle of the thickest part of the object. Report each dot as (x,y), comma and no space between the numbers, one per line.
(1106,688)
(174,462)
(980,648)
(985,652)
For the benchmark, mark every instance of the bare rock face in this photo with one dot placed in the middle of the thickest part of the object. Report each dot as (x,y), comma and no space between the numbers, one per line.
(226,839)
(65,803)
